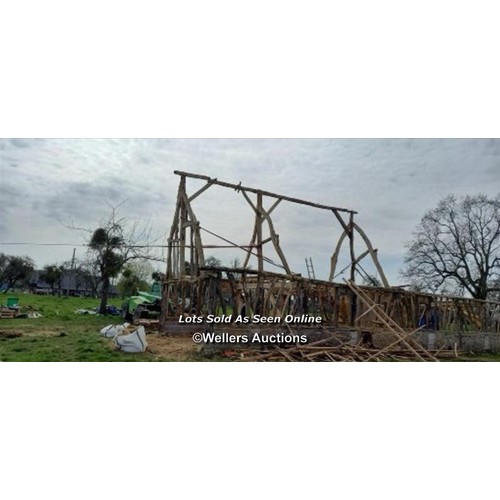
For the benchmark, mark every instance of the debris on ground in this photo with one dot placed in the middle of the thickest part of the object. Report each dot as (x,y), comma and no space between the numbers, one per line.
(85,311)
(323,350)
(111,310)
(8,312)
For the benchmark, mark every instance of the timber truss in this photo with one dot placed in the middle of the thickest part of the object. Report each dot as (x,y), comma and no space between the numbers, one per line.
(192,287)
(185,243)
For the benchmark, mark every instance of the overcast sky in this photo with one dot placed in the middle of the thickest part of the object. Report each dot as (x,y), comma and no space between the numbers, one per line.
(390,183)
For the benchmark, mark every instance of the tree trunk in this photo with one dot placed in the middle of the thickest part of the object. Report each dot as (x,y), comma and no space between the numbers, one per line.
(104,295)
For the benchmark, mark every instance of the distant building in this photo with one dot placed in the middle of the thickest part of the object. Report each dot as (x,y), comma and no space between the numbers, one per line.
(71,283)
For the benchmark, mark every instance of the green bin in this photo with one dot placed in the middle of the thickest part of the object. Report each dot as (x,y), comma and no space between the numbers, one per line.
(12,301)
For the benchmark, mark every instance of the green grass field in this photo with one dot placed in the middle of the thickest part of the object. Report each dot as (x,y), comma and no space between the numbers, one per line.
(61,334)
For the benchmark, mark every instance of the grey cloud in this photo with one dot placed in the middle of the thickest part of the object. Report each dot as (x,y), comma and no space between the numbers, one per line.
(77,199)
(20,143)
(14,143)
(11,200)
(390,182)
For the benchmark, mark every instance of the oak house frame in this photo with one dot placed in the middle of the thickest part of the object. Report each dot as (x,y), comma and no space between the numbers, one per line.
(191,286)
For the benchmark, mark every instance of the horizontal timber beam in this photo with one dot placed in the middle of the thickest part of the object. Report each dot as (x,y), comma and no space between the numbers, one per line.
(239,187)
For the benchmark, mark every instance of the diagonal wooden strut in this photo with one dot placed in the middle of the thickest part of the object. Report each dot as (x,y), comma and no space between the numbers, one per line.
(394,328)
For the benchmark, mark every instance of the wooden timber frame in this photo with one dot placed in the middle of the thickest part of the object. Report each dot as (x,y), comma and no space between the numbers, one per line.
(185,255)
(185,223)
(191,287)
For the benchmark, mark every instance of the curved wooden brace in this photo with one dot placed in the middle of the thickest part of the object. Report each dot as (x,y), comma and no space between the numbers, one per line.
(274,238)
(373,253)
(335,256)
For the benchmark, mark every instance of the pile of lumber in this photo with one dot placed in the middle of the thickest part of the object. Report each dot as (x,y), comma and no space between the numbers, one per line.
(399,346)
(345,352)
(7,313)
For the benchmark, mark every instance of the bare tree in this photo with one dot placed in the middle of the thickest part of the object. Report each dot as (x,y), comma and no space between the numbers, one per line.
(457,246)
(115,242)
(235,263)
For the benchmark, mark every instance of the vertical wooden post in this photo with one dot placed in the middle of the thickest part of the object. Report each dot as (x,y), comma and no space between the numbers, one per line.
(258,227)
(182,229)
(259,293)
(191,252)
(198,251)
(351,247)
(354,298)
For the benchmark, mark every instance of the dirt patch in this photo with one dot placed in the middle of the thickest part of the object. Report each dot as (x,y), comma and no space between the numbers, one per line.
(177,348)
(10,334)
(43,332)
(36,330)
